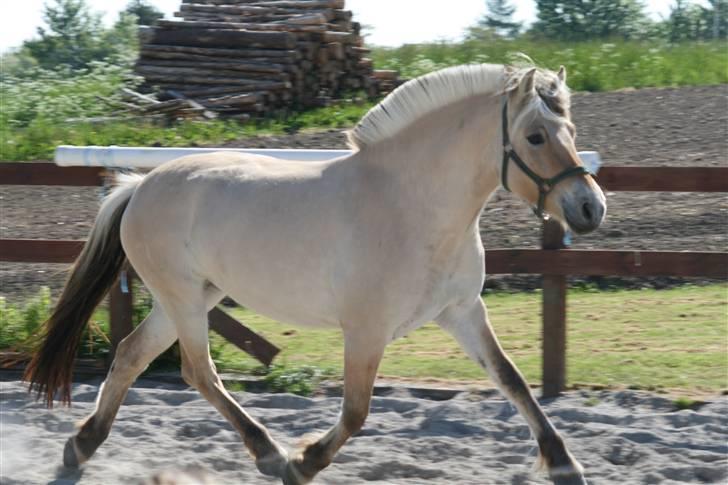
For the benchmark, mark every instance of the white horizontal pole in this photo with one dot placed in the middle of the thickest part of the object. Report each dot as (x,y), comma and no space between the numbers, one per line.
(143,157)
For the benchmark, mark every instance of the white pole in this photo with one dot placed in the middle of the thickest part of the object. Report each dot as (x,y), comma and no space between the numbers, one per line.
(138,157)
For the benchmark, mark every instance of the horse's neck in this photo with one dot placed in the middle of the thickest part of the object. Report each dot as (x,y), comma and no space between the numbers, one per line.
(448,160)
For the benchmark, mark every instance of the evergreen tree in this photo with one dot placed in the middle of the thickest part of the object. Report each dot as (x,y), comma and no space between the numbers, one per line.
(688,21)
(717,17)
(146,13)
(500,18)
(576,20)
(71,36)
(74,36)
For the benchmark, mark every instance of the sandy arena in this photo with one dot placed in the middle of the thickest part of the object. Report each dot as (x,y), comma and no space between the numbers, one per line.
(624,437)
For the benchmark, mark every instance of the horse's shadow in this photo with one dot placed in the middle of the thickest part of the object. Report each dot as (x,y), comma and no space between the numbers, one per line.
(66,476)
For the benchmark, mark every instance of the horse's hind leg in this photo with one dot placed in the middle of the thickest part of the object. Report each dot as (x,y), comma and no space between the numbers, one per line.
(470,326)
(198,370)
(155,334)
(362,353)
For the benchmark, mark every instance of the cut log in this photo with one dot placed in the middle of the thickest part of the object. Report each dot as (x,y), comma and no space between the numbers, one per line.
(304,19)
(253,84)
(217,52)
(138,96)
(205,113)
(268,27)
(232,100)
(172,72)
(234,66)
(154,57)
(224,38)
(225,9)
(385,74)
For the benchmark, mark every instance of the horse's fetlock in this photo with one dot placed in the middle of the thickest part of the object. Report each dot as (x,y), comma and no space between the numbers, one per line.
(353,421)
(562,466)
(272,464)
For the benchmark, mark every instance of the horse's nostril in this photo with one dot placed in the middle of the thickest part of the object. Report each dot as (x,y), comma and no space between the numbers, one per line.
(586,210)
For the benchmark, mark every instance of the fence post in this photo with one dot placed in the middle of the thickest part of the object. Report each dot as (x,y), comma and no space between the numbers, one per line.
(121,303)
(554,317)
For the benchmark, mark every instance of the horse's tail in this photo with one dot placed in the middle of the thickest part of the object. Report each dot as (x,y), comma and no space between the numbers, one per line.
(91,276)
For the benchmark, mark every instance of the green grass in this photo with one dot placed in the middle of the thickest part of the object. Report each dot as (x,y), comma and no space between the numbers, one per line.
(650,339)
(38,139)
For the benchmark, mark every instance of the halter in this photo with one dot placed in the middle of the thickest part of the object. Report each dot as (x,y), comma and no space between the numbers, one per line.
(544,185)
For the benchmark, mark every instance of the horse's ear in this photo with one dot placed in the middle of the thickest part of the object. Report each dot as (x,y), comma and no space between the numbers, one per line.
(528,81)
(562,74)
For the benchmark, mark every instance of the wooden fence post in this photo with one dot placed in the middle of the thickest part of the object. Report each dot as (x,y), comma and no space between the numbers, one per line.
(554,317)
(121,307)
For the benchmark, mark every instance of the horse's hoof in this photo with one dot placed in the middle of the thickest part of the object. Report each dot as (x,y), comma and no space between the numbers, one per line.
(71,457)
(293,476)
(577,479)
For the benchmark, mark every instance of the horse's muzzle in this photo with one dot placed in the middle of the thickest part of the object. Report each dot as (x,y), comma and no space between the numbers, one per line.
(585,212)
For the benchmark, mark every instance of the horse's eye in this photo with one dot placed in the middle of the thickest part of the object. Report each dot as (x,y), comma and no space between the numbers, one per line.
(535,139)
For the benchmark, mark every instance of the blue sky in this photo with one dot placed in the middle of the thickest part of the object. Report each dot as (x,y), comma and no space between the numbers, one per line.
(393,22)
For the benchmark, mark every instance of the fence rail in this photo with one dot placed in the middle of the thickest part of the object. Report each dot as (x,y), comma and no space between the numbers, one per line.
(553,261)
(497,261)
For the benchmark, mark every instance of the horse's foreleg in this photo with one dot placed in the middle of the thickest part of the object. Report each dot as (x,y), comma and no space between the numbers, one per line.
(155,334)
(362,355)
(470,326)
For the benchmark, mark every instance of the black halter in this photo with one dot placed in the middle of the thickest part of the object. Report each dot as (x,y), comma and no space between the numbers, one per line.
(544,185)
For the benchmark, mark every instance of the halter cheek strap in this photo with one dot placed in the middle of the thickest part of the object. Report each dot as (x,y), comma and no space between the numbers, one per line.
(544,185)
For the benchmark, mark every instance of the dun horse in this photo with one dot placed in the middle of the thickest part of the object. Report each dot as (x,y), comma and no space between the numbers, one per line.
(376,244)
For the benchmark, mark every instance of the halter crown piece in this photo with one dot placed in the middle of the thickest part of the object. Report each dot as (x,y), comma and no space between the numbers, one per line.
(544,185)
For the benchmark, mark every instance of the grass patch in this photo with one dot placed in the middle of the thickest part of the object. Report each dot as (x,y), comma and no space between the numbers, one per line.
(648,339)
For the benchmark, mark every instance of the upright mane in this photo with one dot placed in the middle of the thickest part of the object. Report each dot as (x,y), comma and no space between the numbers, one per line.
(425,94)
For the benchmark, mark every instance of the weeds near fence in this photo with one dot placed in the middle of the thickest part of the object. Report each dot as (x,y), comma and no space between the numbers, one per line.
(21,323)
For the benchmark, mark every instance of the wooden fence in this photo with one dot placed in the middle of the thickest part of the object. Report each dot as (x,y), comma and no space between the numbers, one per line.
(553,260)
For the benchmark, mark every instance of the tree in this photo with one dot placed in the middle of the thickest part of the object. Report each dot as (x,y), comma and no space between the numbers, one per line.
(499,17)
(146,13)
(74,36)
(576,20)
(71,36)
(716,17)
(692,22)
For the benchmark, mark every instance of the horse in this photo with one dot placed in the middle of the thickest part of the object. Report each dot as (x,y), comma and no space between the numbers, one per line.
(376,244)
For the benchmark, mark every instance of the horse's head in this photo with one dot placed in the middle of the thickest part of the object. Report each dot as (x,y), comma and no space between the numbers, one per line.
(540,163)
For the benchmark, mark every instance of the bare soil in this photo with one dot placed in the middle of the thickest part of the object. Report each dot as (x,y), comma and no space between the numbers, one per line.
(649,127)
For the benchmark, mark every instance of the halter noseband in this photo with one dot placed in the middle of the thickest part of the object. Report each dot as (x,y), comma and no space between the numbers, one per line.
(544,185)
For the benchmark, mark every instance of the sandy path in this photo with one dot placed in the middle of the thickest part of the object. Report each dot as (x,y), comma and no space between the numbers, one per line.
(620,437)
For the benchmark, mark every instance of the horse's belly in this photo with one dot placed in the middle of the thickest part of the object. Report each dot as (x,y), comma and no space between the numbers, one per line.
(288,298)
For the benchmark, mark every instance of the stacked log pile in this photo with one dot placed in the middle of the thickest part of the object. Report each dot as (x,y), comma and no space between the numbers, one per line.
(247,57)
